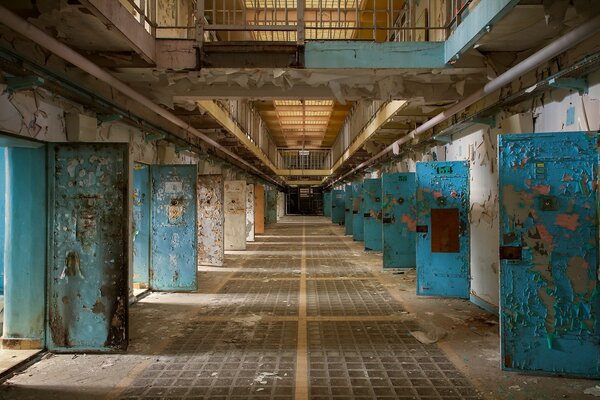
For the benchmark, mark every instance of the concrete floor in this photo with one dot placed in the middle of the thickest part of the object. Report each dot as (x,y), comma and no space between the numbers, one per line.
(303,313)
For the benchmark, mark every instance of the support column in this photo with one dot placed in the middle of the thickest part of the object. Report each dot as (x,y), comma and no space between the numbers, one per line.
(25,248)
(235,215)
(250,212)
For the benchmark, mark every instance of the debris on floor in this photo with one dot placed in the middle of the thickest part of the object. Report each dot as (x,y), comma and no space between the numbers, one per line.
(593,391)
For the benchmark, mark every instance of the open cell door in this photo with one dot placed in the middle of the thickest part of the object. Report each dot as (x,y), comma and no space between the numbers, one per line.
(358,221)
(399,220)
(88,248)
(442,231)
(348,216)
(372,225)
(174,243)
(549,288)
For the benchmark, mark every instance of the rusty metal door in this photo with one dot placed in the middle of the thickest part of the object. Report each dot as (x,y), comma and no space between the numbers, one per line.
(358,226)
(88,248)
(443,241)
(372,215)
(549,287)
(399,220)
(174,244)
(348,210)
(211,220)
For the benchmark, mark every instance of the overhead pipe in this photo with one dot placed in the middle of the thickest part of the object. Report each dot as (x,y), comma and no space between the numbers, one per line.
(550,51)
(31,32)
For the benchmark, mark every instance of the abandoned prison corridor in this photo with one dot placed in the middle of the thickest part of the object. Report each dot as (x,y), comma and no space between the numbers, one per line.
(303,313)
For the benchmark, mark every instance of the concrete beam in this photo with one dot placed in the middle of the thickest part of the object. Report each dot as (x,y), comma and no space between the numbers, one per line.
(225,120)
(479,21)
(356,54)
(113,14)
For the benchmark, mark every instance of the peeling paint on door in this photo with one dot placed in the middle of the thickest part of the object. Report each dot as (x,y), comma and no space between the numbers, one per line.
(174,242)
(250,212)
(549,277)
(211,219)
(235,215)
(443,238)
(88,268)
(348,210)
(141,225)
(358,232)
(373,226)
(399,220)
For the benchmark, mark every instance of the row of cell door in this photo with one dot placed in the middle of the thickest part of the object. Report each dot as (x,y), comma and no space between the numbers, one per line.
(84,254)
(548,251)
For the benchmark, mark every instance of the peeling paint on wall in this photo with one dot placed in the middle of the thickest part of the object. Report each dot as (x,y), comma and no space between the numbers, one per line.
(211,219)
(250,212)
(235,215)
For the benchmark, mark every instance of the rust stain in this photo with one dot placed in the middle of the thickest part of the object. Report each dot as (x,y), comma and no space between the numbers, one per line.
(98,307)
(568,221)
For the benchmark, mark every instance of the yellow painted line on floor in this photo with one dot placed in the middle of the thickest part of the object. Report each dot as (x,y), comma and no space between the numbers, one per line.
(302,345)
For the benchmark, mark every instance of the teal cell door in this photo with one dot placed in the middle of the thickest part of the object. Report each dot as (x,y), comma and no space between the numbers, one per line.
(88,248)
(141,225)
(399,220)
(443,241)
(348,210)
(373,227)
(549,287)
(327,204)
(337,207)
(358,226)
(174,243)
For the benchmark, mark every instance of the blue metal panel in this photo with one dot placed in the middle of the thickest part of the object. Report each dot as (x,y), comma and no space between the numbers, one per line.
(365,54)
(88,267)
(549,288)
(358,220)
(2,206)
(475,25)
(141,224)
(337,207)
(443,241)
(25,244)
(327,204)
(373,225)
(348,210)
(174,244)
(399,220)
(271,207)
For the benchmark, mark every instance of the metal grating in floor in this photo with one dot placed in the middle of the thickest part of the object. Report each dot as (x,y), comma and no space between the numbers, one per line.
(350,297)
(334,267)
(248,297)
(223,360)
(367,360)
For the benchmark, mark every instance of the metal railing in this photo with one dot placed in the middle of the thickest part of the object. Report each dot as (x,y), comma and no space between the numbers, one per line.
(305,159)
(300,20)
(359,116)
(254,127)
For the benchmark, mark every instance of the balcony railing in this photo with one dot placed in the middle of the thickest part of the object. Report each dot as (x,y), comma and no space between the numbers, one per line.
(305,159)
(250,122)
(297,21)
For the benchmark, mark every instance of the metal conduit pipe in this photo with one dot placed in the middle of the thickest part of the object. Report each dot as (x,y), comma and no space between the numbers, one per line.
(63,51)
(555,48)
